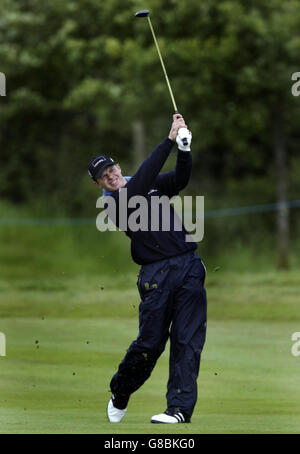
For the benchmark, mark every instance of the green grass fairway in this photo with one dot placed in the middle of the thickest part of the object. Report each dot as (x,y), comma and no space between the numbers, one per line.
(66,336)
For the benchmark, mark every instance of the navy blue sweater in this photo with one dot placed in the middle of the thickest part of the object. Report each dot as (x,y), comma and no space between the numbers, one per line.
(151,246)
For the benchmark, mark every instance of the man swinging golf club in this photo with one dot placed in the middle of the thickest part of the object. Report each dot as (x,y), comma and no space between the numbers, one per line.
(170,283)
(171,278)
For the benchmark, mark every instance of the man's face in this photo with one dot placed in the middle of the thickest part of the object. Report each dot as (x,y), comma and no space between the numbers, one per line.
(111,178)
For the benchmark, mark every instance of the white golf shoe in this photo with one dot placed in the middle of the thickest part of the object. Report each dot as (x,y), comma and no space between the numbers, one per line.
(115,414)
(170,416)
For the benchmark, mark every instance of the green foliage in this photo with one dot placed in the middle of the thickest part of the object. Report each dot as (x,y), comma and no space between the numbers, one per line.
(79,73)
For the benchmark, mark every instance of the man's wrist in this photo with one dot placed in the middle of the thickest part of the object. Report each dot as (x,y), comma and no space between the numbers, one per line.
(183,153)
(172,140)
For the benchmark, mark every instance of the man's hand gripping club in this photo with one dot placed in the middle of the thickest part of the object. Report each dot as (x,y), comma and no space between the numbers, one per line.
(179,132)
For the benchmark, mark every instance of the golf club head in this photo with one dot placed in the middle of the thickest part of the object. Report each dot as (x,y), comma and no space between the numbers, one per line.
(142,13)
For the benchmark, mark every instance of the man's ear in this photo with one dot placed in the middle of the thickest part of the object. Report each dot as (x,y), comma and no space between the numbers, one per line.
(99,185)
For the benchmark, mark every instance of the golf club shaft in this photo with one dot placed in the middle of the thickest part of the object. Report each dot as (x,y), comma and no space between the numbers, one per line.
(163,66)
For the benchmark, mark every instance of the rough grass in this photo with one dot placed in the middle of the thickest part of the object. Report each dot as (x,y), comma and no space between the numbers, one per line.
(65,338)
(69,309)
(248,381)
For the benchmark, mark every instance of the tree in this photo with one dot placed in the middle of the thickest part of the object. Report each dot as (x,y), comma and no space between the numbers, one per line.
(243,56)
(83,75)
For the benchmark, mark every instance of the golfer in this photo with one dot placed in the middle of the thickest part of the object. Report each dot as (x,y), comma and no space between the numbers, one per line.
(170,283)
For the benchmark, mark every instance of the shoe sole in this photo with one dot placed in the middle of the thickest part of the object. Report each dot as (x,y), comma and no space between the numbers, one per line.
(162,422)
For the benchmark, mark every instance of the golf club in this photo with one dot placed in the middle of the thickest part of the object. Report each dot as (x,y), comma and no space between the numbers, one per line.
(146,13)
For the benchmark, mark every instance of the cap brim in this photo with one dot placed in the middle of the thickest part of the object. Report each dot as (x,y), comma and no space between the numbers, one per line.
(98,175)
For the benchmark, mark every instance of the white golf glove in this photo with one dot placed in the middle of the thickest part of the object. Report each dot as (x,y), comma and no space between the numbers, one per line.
(184,139)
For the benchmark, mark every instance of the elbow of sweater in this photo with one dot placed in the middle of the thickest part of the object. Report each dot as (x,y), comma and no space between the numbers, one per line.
(180,186)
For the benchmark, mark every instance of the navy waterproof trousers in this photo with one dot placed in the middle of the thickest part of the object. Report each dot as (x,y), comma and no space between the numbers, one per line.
(173,304)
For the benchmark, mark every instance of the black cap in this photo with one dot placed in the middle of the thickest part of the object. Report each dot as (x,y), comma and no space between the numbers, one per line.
(98,164)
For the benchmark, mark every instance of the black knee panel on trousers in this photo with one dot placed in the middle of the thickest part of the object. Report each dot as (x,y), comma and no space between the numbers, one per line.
(133,371)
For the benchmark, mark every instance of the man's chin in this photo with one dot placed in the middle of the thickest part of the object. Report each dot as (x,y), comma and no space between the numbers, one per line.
(114,188)
(117,186)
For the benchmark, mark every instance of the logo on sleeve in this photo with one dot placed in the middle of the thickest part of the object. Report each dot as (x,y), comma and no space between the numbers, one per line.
(152,190)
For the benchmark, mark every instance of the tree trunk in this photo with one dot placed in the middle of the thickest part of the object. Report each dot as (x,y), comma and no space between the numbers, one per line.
(138,133)
(282,222)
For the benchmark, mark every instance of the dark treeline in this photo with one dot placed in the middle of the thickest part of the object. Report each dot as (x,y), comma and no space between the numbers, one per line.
(83,78)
